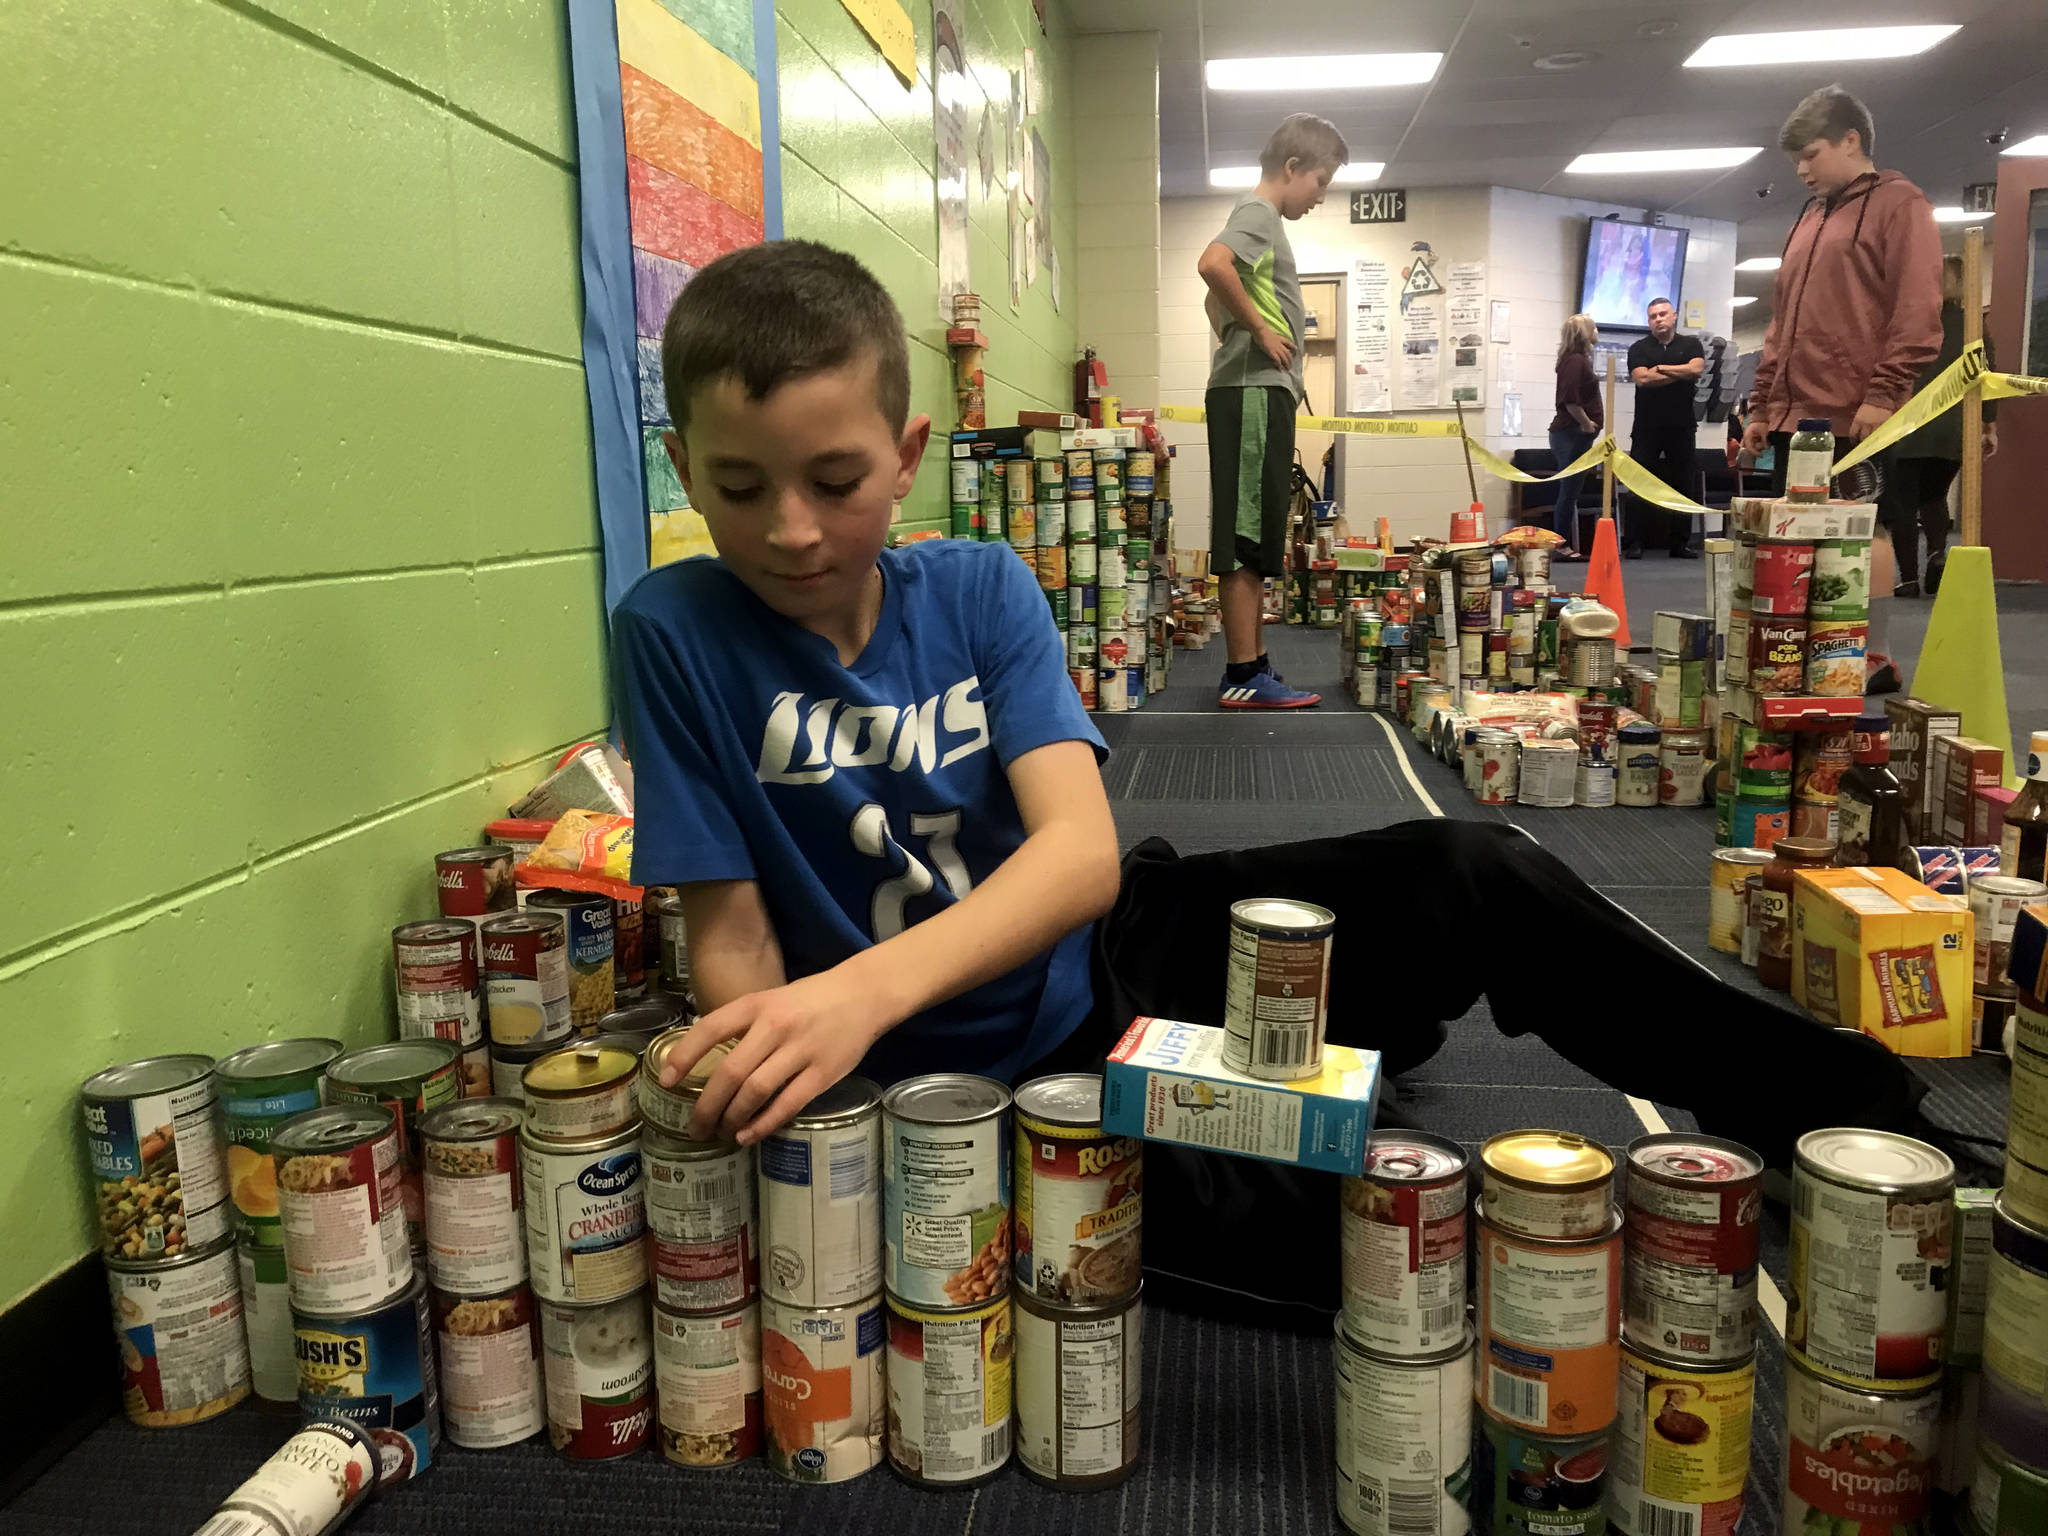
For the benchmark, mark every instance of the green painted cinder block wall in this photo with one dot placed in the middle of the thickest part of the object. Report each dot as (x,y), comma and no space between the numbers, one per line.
(301,580)
(857,168)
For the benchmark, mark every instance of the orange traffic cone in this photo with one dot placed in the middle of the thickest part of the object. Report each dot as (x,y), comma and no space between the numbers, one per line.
(1603,578)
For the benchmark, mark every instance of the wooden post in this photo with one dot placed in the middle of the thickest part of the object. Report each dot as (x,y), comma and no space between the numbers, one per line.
(1607,425)
(1465,443)
(1972,477)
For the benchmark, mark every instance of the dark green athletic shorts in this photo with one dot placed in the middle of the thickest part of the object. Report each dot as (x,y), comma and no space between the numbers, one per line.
(1251,477)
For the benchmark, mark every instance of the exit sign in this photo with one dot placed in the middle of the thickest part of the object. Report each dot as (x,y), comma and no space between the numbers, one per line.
(1386,206)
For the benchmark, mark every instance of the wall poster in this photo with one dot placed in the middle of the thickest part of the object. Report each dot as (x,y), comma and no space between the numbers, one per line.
(1371,382)
(952,96)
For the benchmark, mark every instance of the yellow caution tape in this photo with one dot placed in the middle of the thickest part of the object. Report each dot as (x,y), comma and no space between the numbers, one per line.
(1357,426)
(2000,386)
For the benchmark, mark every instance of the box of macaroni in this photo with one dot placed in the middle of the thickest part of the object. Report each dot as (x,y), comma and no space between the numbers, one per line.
(1875,950)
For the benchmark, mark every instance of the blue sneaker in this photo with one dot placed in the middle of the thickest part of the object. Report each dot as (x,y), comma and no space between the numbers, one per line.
(1263,691)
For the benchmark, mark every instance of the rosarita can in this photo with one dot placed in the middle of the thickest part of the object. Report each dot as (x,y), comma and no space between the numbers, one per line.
(1679,1456)
(1549,1184)
(184,1356)
(702,1222)
(153,1138)
(821,1200)
(821,1382)
(1080,1389)
(1404,1439)
(1693,1203)
(1550,1326)
(949,1392)
(342,1210)
(377,1369)
(707,1378)
(261,1087)
(1079,1194)
(489,1352)
(598,1363)
(476,1229)
(1859,1454)
(1276,998)
(1403,1235)
(946,1190)
(1870,1253)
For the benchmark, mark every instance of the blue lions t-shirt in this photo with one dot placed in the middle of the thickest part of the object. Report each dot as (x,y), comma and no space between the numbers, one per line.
(862,799)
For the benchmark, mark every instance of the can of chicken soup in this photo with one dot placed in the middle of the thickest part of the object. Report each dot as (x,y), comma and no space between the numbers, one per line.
(1403,1234)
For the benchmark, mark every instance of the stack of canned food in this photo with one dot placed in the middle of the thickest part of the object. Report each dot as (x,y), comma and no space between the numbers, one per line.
(1800,611)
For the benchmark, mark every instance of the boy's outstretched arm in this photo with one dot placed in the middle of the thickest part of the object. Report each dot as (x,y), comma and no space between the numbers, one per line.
(794,1040)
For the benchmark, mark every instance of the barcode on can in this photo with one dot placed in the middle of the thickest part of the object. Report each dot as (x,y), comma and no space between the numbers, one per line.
(1517,1397)
(236,1522)
(1655,1519)
(1436,1319)
(1413,1509)
(995,1445)
(1283,1047)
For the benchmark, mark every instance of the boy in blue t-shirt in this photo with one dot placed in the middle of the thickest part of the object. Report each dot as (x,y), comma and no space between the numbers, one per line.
(868,775)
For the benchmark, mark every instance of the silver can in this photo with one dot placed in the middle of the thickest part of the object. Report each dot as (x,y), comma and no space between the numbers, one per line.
(1276,1003)
(1404,1236)
(1080,1389)
(821,1206)
(341,1204)
(1404,1439)
(489,1349)
(949,1392)
(184,1356)
(586,1216)
(946,1190)
(702,1222)
(159,1167)
(476,1231)
(813,1358)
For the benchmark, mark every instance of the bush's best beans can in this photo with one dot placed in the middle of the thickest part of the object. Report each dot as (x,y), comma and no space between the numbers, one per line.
(1080,1389)
(1404,1439)
(946,1190)
(1525,1483)
(821,1381)
(701,1222)
(152,1135)
(586,1216)
(377,1369)
(261,1087)
(598,1361)
(821,1207)
(184,1356)
(1679,1456)
(341,1202)
(1859,1454)
(491,1392)
(476,1230)
(707,1376)
(949,1392)
(1079,1194)
(309,1487)
(1547,1184)
(1403,1236)
(1692,1209)
(1550,1326)
(1276,998)
(1869,1253)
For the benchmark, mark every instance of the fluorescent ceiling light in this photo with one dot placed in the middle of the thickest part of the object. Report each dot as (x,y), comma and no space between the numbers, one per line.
(1833,45)
(1741,299)
(1953,215)
(1358,173)
(1626,161)
(2037,145)
(1322,72)
(1234,177)
(1760,264)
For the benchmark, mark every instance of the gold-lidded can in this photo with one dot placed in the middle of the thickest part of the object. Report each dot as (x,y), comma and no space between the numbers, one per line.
(585,1089)
(670,1108)
(1548,1184)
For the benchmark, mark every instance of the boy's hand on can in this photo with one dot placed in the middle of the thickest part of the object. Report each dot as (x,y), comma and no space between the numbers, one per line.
(789,1044)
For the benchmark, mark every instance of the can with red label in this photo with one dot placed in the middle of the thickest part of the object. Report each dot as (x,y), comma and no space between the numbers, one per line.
(1784,574)
(476,1229)
(526,974)
(707,1376)
(341,1207)
(475,882)
(489,1348)
(1690,1280)
(1403,1232)
(599,1366)
(439,994)
(701,1222)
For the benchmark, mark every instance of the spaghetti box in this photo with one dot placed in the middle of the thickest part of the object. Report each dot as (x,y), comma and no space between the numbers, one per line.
(1963,765)
(1683,636)
(1793,711)
(2027,961)
(1916,725)
(1166,1081)
(1968,1278)
(1987,813)
(1803,522)
(1875,950)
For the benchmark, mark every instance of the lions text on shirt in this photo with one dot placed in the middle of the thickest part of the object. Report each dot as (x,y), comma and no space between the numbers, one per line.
(861,798)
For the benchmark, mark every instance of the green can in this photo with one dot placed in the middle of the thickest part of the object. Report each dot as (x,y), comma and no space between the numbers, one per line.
(1052,479)
(2006,1499)
(267,1319)
(1526,1484)
(965,516)
(1060,606)
(261,1087)
(1137,554)
(1839,589)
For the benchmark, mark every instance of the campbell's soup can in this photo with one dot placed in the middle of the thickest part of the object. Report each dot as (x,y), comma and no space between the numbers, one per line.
(1692,1212)
(821,1383)
(1403,1236)
(821,1200)
(1679,1456)
(490,1358)
(341,1205)
(526,976)
(437,980)
(1859,1454)
(1404,1439)
(1079,1194)
(598,1363)
(949,1392)
(1550,1326)
(1870,1253)
(409,1078)
(476,1229)
(707,1379)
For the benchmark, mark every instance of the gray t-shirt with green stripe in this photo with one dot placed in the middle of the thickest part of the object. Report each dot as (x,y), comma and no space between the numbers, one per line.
(1257,237)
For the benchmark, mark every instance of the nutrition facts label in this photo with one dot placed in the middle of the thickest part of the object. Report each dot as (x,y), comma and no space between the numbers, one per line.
(1092,1392)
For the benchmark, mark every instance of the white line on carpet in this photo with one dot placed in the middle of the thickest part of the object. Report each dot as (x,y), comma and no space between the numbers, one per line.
(1407,768)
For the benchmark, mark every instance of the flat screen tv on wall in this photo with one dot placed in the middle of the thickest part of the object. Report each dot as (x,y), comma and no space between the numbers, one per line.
(1627,265)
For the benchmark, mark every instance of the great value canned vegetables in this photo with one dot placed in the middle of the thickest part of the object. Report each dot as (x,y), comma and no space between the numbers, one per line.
(1525,1483)
(153,1138)
(593,974)
(476,1231)
(408,1077)
(821,1382)
(582,1090)
(261,1087)
(1693,1205)
(377,1369)
(309,1487)
(1869,1253)
(821,1208)
(1403,1236)
(949,1392)
(1551,1184)
(598,1363)
(1080,1389)
(707,1375)
(1404,1439)
(946,1190)
(1079,1194)
(526,977)
(586,1216)
(490,1367)
(1276,999)
(267,1320)
(1550,1325)
(341,1207)
(184,1356)
(1859,1454)
(1679,1456)
(701,1222)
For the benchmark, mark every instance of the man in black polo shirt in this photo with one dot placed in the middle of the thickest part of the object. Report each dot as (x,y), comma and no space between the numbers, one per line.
(1664,367)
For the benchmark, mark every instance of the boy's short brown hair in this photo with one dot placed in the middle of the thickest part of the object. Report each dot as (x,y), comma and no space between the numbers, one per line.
(1303,136)
(1829,113)
(769,313)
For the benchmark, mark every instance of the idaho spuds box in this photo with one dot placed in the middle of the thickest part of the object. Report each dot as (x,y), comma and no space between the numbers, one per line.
(1166,1081)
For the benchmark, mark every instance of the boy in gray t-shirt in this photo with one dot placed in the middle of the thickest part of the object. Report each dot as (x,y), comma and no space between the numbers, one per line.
(1254,385)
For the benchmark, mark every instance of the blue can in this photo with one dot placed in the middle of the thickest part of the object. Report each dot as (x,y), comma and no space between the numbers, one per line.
(375,1369)
(946,1190)
(587,926)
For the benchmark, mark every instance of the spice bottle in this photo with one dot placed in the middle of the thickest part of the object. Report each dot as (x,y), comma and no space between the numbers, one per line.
(1809,461)
(2023,845)
(1774,923)
(1871,801)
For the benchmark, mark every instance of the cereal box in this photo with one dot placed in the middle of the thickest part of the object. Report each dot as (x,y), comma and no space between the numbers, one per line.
(1875,950)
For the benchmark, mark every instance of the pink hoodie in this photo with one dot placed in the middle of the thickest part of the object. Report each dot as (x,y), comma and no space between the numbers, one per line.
(1857,313)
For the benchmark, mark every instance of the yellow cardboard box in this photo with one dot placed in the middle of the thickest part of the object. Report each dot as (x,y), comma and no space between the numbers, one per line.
(1875,950)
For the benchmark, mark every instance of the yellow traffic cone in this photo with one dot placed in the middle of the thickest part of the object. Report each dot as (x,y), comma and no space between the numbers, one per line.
(1960,667)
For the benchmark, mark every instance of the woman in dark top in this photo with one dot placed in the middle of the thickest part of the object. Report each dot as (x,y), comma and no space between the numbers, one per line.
(1576,423)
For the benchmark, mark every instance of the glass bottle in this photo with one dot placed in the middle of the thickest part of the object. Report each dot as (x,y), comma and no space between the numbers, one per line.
(1871,801)
(1810,461)
(1774,925)
(2023,845)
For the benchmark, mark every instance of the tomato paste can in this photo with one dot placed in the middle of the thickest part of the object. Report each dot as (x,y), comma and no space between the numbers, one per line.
(1725,873)
(341,1208)
(1276,998)
(1403,1236)
(2016,1324)
(821,1200)
(1079,1194)
(1548,1184)
(408,1077)
(946,1190)
(949,1392)
(701,1222)
(1781,585)
(375,1367)
(586,1216)
(1080,1389)
(707,1382)
(1550,1325)
(1404,1439)
(490,1371)
(1525,1483)
(261,1087)
(526,977)
(1692,1208)
(587,926)
(1679,1455)
(476,1229)
(824,1405)
(1858,1453)
(153,1137)
(2006,1498)
(438,981)
(184,1356)
(581,1090)
(597,1361)
(267,1320)
(310,1486)
(629,951)
(1869,1253)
